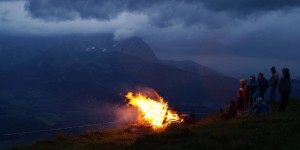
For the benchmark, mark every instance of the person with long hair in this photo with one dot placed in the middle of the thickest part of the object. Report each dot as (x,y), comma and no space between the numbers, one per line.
(273,82)
(284,87)
(245,92)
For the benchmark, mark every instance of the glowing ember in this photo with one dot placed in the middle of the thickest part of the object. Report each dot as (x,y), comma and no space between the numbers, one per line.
(153,112)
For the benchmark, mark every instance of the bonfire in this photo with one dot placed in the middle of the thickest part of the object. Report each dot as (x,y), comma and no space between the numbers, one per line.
(153,112)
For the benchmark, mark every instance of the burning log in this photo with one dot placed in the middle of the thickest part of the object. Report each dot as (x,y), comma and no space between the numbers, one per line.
(153,112)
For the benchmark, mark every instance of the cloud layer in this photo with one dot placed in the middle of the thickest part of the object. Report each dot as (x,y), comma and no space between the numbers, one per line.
(102,9)
(180,29)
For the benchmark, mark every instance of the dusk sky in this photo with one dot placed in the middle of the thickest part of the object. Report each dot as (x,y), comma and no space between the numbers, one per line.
(236,37)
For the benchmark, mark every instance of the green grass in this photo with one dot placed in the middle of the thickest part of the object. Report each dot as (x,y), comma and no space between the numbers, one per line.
(275,131)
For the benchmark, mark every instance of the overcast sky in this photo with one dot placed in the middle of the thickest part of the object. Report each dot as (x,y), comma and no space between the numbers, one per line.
(236,37)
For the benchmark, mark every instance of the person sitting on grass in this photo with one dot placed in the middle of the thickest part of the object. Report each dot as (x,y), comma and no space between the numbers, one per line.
(230,112)
(260,106)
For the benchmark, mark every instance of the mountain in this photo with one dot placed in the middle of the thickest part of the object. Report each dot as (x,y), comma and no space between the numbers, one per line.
(49,82)
(219,87)
(136,47)
(64,58)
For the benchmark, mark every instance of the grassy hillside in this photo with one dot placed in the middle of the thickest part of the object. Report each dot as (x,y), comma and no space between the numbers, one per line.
(276,131)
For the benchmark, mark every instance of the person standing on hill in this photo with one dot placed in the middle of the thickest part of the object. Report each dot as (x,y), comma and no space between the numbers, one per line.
(253,86)
(273,81)
(263,85)
(284,87)
(246,95)
(240,102)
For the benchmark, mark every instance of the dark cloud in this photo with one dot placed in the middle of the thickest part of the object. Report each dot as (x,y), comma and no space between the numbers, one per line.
(8,0)
(58,10)
(179,29)
(250,6)
(161,13)
(103,9)
(187,26)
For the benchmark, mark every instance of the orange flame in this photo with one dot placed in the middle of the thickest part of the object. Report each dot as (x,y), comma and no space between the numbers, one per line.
(153,112)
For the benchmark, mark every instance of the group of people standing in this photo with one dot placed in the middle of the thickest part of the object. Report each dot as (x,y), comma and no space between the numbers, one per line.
(251,95)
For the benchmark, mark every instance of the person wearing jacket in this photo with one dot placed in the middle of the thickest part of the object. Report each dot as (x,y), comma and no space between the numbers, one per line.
(284,87)
(245,90)
(253,87)
(273,81)
(240,101)
(263,85)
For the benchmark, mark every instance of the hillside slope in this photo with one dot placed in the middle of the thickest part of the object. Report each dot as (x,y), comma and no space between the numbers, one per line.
(53,82)
(275,131)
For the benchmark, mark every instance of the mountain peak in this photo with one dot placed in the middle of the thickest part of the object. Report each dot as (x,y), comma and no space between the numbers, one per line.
(136,47)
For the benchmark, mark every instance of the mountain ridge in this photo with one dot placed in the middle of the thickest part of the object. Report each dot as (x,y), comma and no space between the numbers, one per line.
(49,82)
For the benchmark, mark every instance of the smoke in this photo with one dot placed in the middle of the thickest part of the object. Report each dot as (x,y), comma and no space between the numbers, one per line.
(124,115)
(146,91)
(129,24)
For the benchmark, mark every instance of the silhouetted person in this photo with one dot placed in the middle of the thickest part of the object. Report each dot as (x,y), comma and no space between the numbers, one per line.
(273,81)
(246,95)
(240,102)
(253,87)
(284,87)
(263,85)
(230,112)
(260,107)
